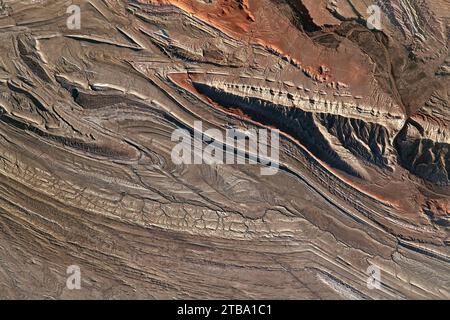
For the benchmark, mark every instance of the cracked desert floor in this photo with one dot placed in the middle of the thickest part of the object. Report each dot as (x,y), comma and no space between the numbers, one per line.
(87,178)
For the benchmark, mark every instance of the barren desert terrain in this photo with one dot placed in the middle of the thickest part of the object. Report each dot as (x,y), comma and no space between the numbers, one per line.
(87,177)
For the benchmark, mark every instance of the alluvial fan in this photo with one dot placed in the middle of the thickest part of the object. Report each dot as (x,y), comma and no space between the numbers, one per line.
(115,123)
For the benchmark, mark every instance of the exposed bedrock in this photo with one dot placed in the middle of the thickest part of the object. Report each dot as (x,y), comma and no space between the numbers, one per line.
(87,177)
(424,157)
(420,146)
(424,143)
(367,141)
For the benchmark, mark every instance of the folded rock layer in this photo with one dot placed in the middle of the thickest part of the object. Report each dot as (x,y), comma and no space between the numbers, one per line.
(88,179)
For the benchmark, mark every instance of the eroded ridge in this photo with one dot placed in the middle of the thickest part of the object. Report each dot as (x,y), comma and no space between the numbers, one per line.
(87,178)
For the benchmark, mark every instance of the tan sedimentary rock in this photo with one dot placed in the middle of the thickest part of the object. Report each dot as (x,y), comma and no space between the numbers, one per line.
(87,179)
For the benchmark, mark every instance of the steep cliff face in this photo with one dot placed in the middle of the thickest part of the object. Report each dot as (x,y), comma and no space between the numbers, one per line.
(315,122)
(87,177)
(423,144)
(428,159)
